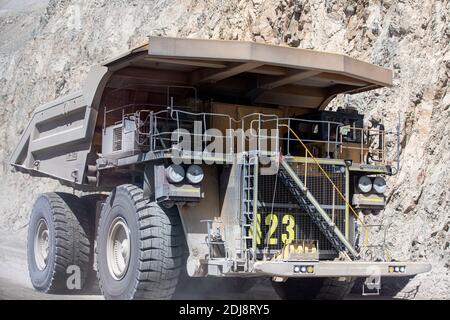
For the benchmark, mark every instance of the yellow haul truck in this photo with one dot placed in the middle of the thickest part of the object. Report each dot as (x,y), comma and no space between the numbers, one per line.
(212,159)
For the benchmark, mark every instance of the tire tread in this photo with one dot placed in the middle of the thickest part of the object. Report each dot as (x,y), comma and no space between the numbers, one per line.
(72,243)
(160,240)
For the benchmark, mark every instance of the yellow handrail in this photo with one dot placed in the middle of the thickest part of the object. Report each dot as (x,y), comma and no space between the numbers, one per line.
(366,233)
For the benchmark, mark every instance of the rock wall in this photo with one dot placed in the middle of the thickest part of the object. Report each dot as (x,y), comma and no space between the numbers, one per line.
(47,48)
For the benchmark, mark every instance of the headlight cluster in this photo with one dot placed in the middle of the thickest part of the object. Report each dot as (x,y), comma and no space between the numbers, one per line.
(304,269)
(365,184)
(175,173)
(397,269)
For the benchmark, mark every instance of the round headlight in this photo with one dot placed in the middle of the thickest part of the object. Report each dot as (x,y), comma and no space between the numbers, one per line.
(195,174)
(379,185)
(175,173)
(365,184)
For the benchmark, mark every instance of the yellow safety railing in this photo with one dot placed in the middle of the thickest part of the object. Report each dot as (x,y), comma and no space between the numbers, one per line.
(366,231)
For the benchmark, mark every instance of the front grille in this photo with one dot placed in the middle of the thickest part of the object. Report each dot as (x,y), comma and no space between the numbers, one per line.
(273,194)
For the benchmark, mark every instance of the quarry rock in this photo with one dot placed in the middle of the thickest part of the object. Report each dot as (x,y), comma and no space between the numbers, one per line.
(47,49)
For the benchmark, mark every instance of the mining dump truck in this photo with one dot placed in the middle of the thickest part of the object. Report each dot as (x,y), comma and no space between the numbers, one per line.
(202,158)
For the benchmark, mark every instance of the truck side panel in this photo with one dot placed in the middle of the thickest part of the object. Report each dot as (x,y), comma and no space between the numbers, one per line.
(57,139)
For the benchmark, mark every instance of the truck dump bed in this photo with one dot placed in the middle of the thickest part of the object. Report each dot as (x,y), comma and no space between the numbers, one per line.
(60,137)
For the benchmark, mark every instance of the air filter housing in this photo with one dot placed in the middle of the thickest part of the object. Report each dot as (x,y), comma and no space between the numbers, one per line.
(119,140)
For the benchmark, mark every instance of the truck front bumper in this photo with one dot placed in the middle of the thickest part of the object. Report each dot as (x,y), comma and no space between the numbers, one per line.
(292,269)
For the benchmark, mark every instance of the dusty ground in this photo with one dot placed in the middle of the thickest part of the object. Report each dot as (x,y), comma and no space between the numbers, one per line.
(15,283)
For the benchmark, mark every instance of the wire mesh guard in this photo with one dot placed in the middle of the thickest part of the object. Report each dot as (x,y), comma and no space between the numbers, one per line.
(281,220)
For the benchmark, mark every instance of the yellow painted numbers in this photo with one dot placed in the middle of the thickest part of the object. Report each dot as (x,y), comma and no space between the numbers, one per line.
(271,222)
(289,221)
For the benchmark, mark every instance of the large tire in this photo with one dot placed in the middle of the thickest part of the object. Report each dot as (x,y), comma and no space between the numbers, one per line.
(90,203)
(239,285)
(144,254)
(298,289)
(58,238)
(336,288)
(314,288)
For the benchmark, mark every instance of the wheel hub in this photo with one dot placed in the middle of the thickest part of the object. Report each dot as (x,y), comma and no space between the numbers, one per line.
(118,248)
(41,245)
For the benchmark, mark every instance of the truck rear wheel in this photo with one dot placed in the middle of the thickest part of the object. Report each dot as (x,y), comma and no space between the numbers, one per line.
(139,247)
(90,202)
(58,238)
(314,288)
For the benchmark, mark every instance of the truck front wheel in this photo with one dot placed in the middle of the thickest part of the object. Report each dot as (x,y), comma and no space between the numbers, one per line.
(139,247)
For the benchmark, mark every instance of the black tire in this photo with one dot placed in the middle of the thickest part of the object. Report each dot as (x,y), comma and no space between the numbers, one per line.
(298,289)
(314,288)
(68,232)
(90,203)
(239,285)
(336,288)
(155,247)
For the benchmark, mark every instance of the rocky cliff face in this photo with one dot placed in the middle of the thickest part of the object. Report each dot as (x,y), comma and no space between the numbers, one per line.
(47,48)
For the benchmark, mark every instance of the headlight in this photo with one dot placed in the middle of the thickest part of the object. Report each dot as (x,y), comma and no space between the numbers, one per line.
(195,174)
(379,184)
(365,184)
(175,173)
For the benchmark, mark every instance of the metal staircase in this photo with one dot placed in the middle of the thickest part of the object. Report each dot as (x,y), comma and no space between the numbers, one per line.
(247,247)
(308,202)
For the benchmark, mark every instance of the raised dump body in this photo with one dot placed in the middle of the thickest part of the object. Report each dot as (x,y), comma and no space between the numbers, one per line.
(62,134)
(232,138)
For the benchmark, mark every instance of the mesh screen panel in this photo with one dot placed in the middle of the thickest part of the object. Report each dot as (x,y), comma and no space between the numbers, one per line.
(272,193)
